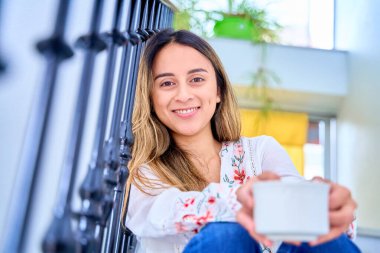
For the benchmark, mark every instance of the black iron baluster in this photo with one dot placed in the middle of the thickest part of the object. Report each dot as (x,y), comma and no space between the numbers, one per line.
(55,50)
(171,18)
(136,32)
(163,17)
(158,16)
(166,16)
(112,173)
(152,16)
(60,236)
(2,61)
(123,238)
(96,204)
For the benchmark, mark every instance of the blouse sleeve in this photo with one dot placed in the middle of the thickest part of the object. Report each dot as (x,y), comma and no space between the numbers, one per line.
(274,158)
(352,230)
(171,211)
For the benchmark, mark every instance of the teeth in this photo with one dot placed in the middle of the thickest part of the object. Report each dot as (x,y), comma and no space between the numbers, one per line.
(185,111)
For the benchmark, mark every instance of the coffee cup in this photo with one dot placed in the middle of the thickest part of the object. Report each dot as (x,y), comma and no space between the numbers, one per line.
(291,211)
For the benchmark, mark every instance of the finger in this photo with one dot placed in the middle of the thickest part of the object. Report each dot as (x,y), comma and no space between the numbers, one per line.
(247,211)
(245,220)
(244,196)
(293,243)
(334,233)
(339,196)
(267,175)
(320,179)
(344,216)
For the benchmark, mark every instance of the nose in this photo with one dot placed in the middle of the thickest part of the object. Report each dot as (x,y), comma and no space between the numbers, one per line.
(184,93)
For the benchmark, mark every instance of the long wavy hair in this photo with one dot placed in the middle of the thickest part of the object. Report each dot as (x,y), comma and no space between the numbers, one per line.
(154,147)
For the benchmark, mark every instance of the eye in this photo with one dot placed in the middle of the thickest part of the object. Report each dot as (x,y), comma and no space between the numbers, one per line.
(197,80)
(166,84)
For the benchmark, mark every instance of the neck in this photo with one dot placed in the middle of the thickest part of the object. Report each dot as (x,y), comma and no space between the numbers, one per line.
(204,147)
(204,150)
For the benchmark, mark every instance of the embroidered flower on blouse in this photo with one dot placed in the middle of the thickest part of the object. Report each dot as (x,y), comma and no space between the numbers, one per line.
(211,200)
(224,148)
(202,220)
(239,176)
(238,150)
(188,202)
(189,217)
(199,220)
(238,173)
(180,227)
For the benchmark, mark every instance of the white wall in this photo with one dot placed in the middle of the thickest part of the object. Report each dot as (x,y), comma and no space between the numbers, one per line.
(23,24)
(359,116)
(311,80)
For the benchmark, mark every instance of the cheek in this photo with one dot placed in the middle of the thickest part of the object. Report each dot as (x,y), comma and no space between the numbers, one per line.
(158,103)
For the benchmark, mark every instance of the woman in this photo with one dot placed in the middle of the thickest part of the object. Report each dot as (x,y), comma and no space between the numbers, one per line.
(188,158)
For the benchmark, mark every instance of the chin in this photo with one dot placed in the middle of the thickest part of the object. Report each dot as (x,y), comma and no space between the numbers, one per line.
(186,132)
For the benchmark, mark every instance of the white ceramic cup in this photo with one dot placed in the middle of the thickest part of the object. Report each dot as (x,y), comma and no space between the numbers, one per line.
(291,211)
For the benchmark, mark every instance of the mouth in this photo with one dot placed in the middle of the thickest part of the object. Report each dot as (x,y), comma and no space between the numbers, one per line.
(186,111)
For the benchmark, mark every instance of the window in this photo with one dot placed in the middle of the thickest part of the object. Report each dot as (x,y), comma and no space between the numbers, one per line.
(307,23)
(319,150)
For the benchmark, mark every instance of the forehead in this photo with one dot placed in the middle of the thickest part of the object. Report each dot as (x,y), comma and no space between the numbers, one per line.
(175,57)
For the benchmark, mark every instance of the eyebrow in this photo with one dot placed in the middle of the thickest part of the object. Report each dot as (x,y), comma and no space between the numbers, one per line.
(189,72)
(196,70)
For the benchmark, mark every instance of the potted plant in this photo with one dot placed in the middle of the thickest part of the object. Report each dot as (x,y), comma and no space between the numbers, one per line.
(242,20)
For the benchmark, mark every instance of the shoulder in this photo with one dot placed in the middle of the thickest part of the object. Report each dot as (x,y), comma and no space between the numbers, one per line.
(146,180)
(261,141)
(144,171)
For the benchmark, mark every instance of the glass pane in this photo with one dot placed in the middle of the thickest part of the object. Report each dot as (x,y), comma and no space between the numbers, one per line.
(314,151)
(307,23)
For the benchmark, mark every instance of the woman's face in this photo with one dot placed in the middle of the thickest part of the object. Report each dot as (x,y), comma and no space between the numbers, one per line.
(184,90)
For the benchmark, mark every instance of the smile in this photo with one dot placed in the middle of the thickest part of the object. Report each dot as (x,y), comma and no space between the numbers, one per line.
(186,111)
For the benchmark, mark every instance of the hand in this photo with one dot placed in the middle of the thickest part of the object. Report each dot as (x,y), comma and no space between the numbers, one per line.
(341,211)
(245,214)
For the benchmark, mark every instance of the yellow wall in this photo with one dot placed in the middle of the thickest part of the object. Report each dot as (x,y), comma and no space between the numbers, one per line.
(289,129)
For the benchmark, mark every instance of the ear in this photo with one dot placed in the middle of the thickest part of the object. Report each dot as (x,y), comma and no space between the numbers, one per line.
(218,96)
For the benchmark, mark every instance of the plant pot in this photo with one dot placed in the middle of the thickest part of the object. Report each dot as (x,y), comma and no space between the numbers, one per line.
(236,27)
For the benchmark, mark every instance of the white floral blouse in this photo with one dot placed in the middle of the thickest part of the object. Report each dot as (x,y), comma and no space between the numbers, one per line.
(166,221)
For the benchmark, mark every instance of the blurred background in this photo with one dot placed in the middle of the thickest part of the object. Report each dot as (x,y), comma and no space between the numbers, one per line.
(304,71)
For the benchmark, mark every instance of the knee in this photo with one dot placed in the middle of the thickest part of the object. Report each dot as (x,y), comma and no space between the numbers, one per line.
(340,244)
(222,237)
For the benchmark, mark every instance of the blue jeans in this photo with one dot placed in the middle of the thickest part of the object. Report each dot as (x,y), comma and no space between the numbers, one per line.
(230,237)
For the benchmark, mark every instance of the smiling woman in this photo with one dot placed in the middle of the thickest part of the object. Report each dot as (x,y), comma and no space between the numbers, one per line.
(188,158)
